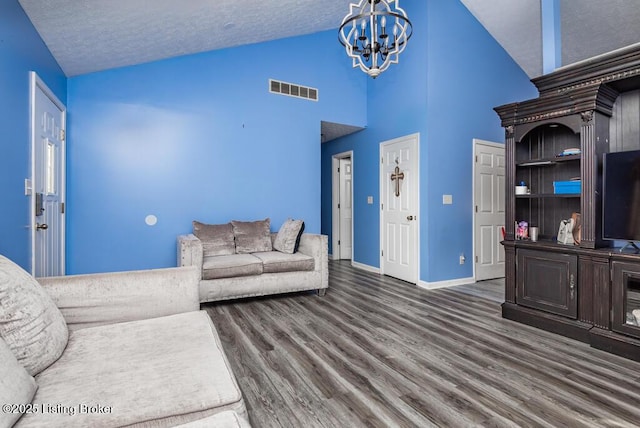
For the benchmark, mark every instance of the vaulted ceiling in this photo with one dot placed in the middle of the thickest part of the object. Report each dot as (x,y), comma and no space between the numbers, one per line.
(94,35)
(587,28)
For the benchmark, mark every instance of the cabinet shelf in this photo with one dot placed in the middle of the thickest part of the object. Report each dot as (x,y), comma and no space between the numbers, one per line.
(586,291)
(548,195)
(548,161)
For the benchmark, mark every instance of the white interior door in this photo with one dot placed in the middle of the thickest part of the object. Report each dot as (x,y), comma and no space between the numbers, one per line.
(489,202)
(48,180)
(400,201)
(346,210)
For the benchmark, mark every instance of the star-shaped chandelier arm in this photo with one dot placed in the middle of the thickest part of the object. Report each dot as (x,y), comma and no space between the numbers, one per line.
(365,36)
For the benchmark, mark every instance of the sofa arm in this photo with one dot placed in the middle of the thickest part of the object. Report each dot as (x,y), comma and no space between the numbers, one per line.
(190,252)
(108,298)
(317,246)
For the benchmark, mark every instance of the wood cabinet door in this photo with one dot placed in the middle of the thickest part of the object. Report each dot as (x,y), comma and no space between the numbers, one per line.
(625,298)
(548,282)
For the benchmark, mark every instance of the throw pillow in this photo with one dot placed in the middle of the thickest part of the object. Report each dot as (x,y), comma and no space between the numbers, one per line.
(217,239)
(252,236)
(30,323)
(17,387)
(288,237)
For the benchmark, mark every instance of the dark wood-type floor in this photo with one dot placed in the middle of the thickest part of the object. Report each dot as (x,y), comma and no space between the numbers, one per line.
(383,353)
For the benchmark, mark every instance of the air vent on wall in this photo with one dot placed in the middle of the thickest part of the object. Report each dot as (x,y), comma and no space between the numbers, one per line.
(292,90)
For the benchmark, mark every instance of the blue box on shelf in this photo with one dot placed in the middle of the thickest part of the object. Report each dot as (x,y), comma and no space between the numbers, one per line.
(567,187)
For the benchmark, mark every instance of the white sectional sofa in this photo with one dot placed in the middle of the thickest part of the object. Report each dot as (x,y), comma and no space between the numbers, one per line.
(109,350)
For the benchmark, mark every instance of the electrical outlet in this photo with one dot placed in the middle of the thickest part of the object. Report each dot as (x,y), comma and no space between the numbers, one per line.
(462,259)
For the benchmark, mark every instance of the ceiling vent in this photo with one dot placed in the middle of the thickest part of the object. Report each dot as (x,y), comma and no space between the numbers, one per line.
(293,90)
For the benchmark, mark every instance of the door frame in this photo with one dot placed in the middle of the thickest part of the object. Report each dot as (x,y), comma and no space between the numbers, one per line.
(36,83)
(476,143)
(335,200)
(416,142)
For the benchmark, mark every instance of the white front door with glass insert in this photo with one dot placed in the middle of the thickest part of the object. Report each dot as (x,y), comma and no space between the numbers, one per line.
(48,180)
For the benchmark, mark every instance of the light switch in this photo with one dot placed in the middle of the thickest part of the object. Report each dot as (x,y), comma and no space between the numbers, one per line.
(370,200)
(447,199)
(27,187)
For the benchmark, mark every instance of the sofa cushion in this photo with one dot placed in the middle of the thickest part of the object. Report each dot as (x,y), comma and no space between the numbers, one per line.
(288,237)
(275,261)
(17,387)
(217,239)
(252,236)
(231,266)
(30,322)
(161,372)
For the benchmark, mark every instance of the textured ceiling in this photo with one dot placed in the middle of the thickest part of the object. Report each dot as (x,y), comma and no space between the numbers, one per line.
(516,25)
(92,35)
(591,28)
(330,130)
(588,28)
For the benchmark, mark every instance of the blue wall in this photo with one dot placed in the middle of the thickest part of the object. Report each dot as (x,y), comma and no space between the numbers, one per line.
(445,87)
(396,106)
(199,137)
(551,35)
(21,51)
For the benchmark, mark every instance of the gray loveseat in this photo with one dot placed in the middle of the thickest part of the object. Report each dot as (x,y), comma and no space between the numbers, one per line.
(231,269)
(110,350)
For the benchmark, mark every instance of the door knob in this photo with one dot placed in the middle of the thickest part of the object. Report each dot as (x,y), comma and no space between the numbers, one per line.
(43,226)
(409,217)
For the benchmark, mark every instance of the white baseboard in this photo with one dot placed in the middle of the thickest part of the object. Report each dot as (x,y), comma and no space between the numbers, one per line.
(365,267)
(447,283)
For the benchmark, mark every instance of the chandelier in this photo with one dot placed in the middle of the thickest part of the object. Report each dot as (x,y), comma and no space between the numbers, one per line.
(374,33)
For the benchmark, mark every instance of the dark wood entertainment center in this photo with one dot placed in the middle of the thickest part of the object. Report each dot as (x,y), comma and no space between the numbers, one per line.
(585,291)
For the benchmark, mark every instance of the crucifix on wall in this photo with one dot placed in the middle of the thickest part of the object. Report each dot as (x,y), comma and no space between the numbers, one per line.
(397,176)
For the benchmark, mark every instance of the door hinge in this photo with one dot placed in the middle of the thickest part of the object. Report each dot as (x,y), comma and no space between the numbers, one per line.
(382,207)
(476,208)
(382,252)
(382,160)
(338,169)
(338,242)
(62,135)
(338,205)
(476,259)
(62,208)
(476,158)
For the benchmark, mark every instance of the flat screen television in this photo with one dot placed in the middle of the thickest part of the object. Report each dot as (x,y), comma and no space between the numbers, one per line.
(621,196)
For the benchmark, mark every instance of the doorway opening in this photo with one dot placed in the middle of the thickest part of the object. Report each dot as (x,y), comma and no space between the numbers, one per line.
(342,206)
